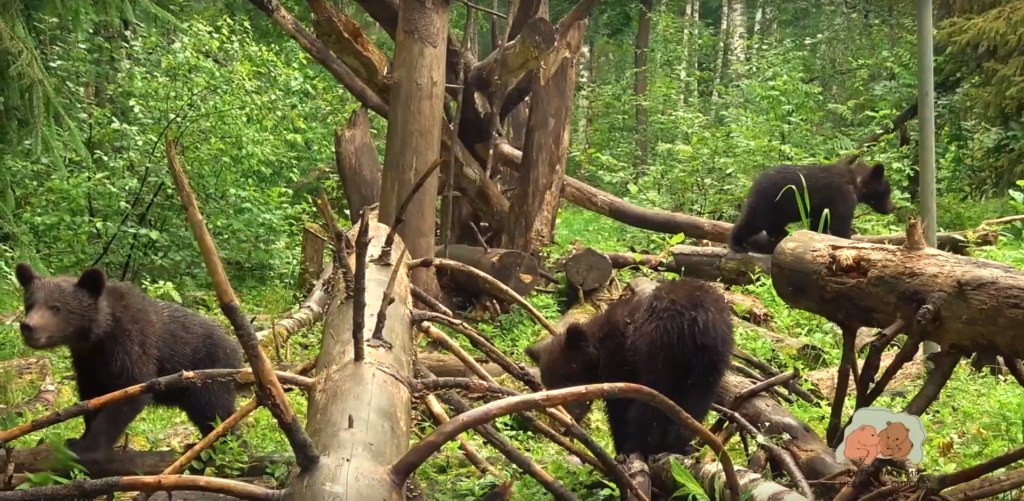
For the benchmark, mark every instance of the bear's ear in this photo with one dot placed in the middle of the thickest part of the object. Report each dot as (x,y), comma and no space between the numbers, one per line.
(877,172)
(575,337)
(93,281)
(25,274)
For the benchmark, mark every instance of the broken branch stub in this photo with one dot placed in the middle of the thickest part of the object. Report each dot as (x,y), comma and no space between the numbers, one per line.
(359,417)
(972,304)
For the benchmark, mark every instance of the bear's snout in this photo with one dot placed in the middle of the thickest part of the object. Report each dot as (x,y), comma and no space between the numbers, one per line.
(34,337)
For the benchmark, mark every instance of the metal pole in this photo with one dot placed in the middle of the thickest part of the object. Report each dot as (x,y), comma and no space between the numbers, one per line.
(926,130)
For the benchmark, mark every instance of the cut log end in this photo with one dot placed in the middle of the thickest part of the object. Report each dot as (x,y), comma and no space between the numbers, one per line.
(588,269)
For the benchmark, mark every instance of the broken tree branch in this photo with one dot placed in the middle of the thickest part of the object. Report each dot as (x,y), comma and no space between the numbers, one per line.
(322,55)
(157,385)
(88,489)
(268,388)
(494,284)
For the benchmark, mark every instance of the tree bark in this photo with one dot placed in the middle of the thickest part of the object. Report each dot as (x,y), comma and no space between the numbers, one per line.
(357,162)
(310,311)
(535,204)
(643,40)
(973,304)
(313,244)
(414,127)
(360,417)
(347,41)
(517,270)
(737,32)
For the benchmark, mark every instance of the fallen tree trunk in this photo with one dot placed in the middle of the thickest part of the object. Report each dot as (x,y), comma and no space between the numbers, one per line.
(810,354)
(705,263)
(975,304)
(310,312)
(609,205)
(359,418)
(517,270)
(122,462)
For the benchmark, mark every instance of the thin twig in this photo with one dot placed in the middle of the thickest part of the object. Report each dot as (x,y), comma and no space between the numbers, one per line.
(419,453)
(484,10)
(421,296)
(870,369)
(268,388)
(359,300)
(378,327)
(89,489)
(834,434)
(481,343)
(770,371)
(339,238)
(502,445)
(389,240)
(472,455)
(178,466)
(945,363)
(440,337)
(783,457)
(446,231)
(157,385)
(494,284)
(479,238)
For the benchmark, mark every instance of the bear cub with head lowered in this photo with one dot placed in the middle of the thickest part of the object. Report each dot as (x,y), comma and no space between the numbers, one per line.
(836,187)
(676,340)
(119,337)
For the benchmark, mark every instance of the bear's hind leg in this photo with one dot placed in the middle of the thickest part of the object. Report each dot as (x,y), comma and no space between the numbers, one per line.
(105,426)
(207,404)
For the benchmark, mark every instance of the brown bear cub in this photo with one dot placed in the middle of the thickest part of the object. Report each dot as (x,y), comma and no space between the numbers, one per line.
(676,340)
(118,337)
(838,188)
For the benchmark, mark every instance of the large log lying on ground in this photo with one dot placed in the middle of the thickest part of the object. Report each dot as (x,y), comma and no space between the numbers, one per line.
(609,205)
(38,459)
(359,417)
(518,270)
(978,304)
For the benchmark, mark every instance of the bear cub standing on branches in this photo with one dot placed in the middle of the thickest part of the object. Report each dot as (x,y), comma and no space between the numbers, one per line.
(676,340)
(119,337)
(836,187)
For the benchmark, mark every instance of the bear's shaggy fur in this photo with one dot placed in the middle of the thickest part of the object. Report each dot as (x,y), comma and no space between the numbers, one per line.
(838,188)
(676,340)
(118,337)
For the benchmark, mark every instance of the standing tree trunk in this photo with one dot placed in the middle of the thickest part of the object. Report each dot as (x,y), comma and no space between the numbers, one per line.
(414,127)
(723,47)
(737,33)
(518,119)
(533,210)
(643,40)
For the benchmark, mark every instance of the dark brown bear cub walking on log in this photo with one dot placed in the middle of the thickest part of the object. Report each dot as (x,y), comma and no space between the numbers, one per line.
(119,337)
(838,188)
(677,340)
